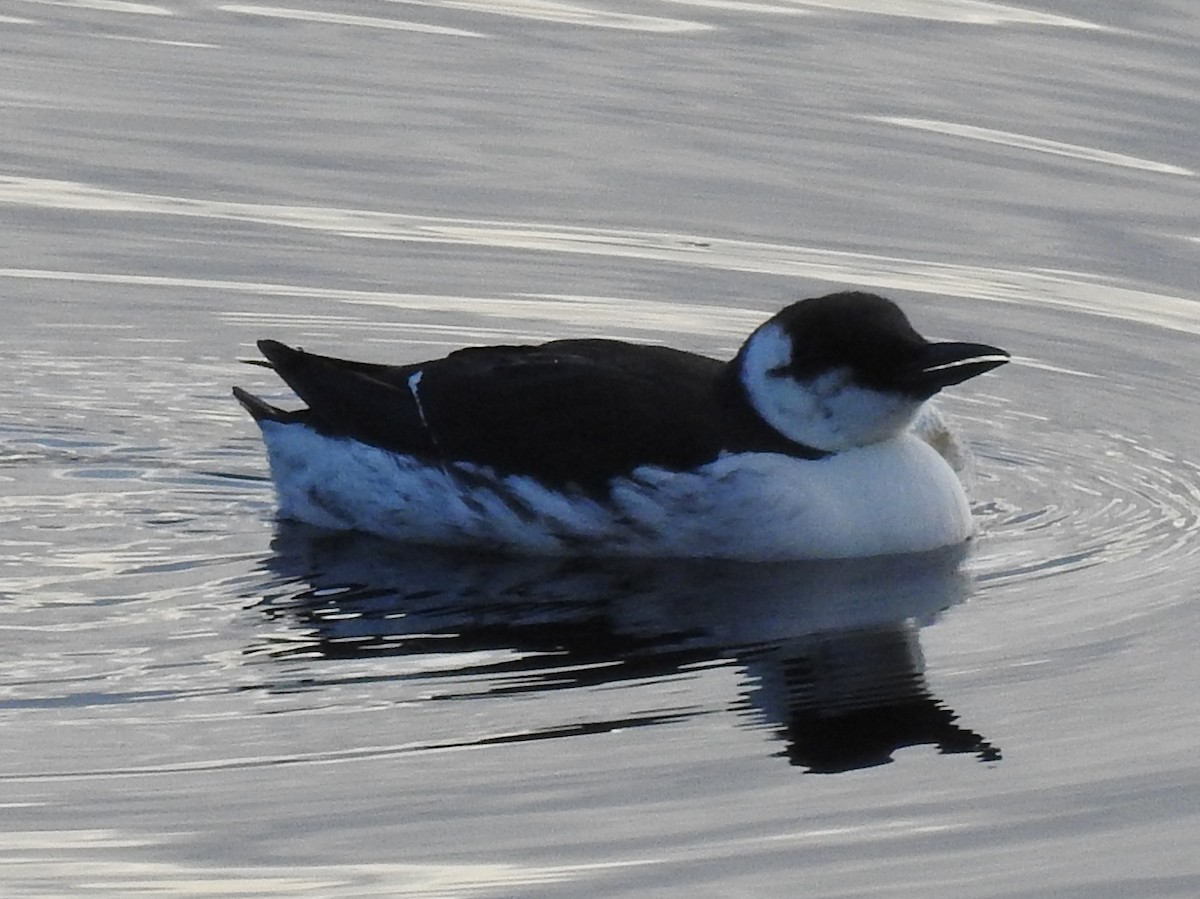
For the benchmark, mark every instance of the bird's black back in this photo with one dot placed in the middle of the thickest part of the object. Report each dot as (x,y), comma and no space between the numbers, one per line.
(568,412)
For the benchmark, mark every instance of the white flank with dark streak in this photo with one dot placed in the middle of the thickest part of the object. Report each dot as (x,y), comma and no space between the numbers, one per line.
(892,497)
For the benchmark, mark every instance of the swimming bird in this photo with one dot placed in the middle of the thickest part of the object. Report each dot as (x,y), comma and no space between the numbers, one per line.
(801,446)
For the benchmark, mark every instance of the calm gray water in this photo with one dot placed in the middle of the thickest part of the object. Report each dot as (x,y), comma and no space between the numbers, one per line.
(196,700)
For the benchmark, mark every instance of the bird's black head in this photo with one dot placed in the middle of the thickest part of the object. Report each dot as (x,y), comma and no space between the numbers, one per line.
(848,369)
(872,338)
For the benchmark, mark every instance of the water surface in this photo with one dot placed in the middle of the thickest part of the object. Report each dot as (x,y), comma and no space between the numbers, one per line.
(198,700)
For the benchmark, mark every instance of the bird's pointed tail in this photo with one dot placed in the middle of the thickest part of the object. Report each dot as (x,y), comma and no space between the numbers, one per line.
(260,409)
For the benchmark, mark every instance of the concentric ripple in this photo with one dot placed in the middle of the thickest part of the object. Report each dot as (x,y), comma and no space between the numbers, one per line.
(1100,499)
(1088,491)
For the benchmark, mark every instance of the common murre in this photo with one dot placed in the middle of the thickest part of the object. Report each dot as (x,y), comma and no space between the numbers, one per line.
(799,447)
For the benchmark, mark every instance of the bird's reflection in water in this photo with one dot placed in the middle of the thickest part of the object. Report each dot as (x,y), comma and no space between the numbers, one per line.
(850,699)
(829,650)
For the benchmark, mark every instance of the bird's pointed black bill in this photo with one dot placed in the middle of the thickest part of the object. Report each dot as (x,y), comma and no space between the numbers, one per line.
(945,364)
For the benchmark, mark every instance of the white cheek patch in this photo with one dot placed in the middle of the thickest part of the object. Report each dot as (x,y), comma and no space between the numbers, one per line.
(830,412)
(774,396)
(860,416)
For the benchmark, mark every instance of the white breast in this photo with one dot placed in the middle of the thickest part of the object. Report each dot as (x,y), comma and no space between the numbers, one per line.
(892,497)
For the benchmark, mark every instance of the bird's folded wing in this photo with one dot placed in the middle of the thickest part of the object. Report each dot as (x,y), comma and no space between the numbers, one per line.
(576,412)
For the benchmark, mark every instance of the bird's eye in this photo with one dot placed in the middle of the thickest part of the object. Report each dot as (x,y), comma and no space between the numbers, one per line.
(779,371)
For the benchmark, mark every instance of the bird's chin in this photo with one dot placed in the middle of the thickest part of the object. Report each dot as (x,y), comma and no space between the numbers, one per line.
(847,416)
